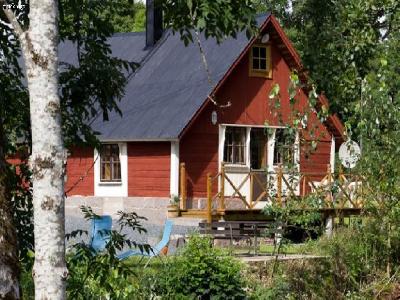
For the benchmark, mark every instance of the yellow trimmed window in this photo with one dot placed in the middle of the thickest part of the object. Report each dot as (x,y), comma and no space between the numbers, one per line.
(260,61)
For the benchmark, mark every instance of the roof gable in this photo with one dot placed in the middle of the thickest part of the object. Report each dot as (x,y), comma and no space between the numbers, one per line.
(171,88)
(289,53)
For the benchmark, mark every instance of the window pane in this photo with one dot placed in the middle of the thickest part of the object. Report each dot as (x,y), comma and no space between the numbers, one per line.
(105,171)
(116,171)
(256,52)
(235,145)
(284,147)
(256,63)
(263,64)
(263,52)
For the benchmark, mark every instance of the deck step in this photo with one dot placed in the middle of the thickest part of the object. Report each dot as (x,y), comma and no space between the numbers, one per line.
(194,213)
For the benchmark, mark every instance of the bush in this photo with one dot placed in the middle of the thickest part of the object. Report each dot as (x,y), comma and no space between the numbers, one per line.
(354,267)
(101,275)
(200,271)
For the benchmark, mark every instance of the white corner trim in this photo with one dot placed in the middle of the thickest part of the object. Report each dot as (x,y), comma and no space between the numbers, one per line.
(333,152)
(174,169)
(221,144)
(270,150)
(119,189)
(248,152)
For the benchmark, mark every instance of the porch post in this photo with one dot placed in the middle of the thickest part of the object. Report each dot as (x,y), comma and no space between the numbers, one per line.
(279,184)
(209,198)
(221,209)
(183,193)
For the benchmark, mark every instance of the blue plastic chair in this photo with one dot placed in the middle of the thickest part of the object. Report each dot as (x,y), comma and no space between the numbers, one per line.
(100,233)
(154,251)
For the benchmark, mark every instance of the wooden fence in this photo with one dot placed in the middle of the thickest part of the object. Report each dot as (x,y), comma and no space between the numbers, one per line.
(331,190)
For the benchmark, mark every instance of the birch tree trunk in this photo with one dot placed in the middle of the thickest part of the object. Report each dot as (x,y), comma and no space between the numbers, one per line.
(9,268)
(39,45)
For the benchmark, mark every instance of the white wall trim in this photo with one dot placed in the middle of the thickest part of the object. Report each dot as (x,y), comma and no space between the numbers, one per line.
(112,189)
(221,144)
(248,150)
(252,126)
(114,141)
(270,151)
(333,152)
(174,169)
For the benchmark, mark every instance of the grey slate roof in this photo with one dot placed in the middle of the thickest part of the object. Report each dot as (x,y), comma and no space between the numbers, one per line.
(170,86)
(128,46)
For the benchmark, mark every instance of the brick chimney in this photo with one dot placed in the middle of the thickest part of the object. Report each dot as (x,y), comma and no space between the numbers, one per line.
(154,22)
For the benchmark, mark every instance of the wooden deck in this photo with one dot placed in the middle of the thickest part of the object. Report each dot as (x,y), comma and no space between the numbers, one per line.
(336,194)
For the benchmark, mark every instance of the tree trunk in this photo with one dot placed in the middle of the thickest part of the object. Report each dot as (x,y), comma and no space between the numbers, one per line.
(9,266)
(47,162)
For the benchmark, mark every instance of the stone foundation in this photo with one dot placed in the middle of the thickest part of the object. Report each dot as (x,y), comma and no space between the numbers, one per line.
(201,203)
(149,207)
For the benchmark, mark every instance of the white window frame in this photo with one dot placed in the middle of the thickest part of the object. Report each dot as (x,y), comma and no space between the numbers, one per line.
(111,163)
(333,152)
(222,133)
(270,146)
(112,188)
(296,154)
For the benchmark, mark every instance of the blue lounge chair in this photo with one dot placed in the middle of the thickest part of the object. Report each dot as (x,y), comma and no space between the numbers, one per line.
(100,233)
(154,251)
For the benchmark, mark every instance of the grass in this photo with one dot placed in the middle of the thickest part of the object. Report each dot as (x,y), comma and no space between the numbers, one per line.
(285,249)
(268,249)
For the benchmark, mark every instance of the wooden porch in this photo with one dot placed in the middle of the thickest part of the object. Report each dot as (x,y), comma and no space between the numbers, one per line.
(334,194)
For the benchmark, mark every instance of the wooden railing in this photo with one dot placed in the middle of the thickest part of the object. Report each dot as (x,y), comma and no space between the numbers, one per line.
(333,191)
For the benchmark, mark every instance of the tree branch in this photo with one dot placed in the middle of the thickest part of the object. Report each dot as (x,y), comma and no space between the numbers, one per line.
(12,19)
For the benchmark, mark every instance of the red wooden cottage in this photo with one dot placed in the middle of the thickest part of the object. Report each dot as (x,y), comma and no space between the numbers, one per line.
(169,118)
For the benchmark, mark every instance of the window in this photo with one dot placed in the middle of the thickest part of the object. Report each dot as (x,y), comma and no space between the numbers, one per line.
(260,61)
(235,145)
(258,148)
(284,149)
(110,165)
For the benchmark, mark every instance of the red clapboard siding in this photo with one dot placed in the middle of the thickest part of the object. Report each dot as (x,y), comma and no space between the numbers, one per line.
(249,106)
(317,160)
(80,172)
(149,169)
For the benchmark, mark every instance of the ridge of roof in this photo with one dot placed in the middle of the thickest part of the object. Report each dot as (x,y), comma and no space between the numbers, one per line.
(170,88)
(171,83)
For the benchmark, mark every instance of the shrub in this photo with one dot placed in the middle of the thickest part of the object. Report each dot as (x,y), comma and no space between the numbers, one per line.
(201,271)
(101,275)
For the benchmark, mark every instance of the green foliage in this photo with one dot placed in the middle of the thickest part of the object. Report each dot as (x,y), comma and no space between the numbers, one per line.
(102,275)
(21,193)
(130,16)
(353,265)
(83,95)
(200,271)
(217,19)
(337,41)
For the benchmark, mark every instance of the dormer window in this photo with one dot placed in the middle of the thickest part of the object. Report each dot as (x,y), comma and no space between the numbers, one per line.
(260,61)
